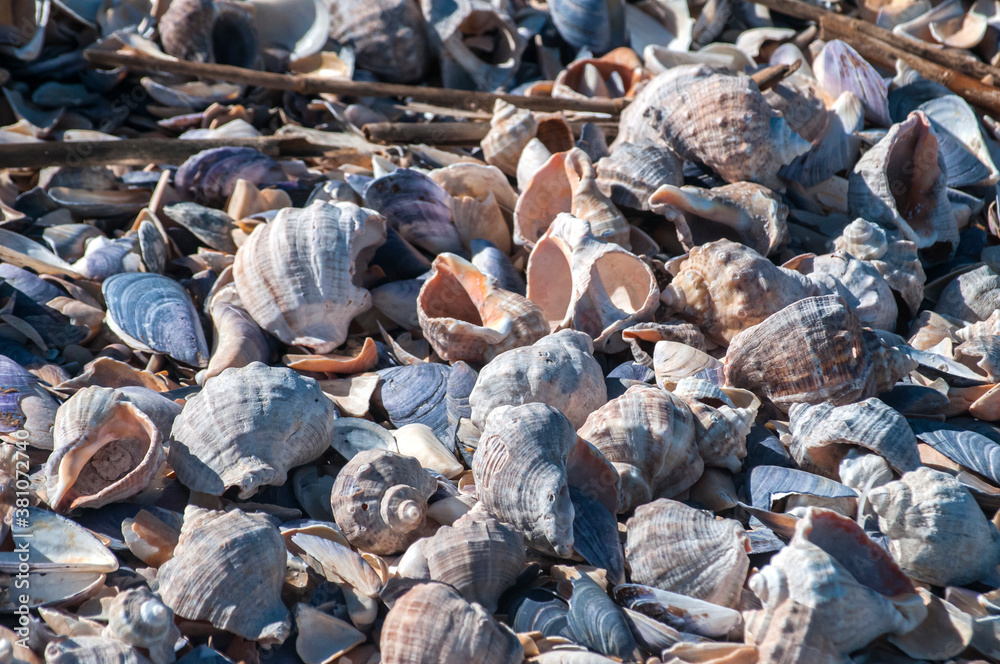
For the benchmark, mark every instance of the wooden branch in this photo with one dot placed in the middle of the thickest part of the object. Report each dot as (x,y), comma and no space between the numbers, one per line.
(143,151)
(312,86)
(854,31)
(768,77)
(885,55)
(449,133)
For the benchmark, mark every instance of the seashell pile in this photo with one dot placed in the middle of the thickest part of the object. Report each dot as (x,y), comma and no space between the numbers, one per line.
(674,338)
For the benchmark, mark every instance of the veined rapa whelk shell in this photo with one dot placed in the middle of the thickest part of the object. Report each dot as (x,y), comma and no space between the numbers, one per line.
(592,286)
(105,449)
(316,311)
(248,427)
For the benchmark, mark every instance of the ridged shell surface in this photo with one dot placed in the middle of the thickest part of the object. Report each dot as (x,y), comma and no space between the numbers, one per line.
(248,427)
(296,274)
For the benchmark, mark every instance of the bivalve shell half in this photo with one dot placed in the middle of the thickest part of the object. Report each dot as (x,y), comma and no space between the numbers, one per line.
(296,274)
(154,313)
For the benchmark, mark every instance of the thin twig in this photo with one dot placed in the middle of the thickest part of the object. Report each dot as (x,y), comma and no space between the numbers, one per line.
(308,85)
(448,133)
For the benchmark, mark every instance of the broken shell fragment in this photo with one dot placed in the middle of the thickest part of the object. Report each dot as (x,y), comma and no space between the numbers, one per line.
(466,316)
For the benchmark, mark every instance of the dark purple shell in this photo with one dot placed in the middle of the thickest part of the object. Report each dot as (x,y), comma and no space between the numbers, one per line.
(53,327)
(15,383)
(417,207)
(210,176)
(28,283)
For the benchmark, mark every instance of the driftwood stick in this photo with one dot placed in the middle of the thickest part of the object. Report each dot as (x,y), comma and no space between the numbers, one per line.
(885,55)
(449,133)
(855,31)
(310,86)
(768,77)
(144,151)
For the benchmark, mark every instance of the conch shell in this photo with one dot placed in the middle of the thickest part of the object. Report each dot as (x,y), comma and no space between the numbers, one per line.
(460,632)
(680,549)
(813,351)
(296,274)
(821,435)
(510,130)
(558,370)
(701,119)
(648,435)
(520,473)
(466,316)
(105,449)
(747,212)
(388,37)
(477,555)
(631,173)
(725,288)
(900,184)
(830,592)
(936,531)
(210,31)
(249,426)
(592,286)
(218,552)
(379,500)
(139,618)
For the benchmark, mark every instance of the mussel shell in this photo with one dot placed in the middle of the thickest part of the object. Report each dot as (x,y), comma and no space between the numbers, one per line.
(595,535)
(598,623)
(415,393)
(418,208)
(213,227)
(156,313)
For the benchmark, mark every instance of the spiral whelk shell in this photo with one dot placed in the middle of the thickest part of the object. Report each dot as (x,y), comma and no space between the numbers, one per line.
(379,500)
(296,274)
(248,427)
(105,449)
(216,552)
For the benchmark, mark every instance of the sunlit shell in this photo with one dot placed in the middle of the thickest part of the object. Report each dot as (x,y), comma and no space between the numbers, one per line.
(296,274)
(937,533)
(589,285)
(520,472)
(141,619)
(822,435)
(558,370)
(461,631)
(379,500)
(809,352)
(105,449)
(828,593)
(743,211)
(510,130)
(678,548)
(886,187)
(153,312)
(465,315)
(248,427)
(218,551)
(477,555)
(648,435)
(632,172)
(858,282)
(721,121)
(387,36)
(725,288)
